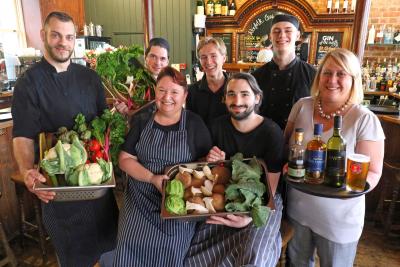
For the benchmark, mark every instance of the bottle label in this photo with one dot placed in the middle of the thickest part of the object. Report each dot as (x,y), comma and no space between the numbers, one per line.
(224,10)
(200,10)
(298,173)
(335,163)
(210,10)
(232,12)
(217,9)
(315,161)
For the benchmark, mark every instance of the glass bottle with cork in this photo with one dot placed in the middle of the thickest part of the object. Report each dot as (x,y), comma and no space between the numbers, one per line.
(232,8)
(199,7)
(296,169)
(315,157)
(336,156)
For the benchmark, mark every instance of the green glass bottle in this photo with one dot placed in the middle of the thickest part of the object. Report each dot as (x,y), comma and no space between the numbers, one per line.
(199,7)
(210,8)
(336,156)
(217,8)
(224,7)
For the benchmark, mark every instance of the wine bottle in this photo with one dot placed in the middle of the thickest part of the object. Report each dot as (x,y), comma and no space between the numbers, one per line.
(337,5)
(315,157)
(217,8)
(345,6)
(232,8)
(336,156)
(296,170)
(210,8)
(329,6)
(224,7)
(199,7)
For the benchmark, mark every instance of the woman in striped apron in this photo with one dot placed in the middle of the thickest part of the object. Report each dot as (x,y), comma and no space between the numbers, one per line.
(169,136)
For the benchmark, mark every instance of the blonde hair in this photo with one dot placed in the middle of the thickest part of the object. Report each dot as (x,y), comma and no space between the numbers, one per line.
(350,64)
(212,40)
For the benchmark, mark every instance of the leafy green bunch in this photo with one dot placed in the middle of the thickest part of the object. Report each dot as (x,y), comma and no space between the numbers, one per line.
(114,67)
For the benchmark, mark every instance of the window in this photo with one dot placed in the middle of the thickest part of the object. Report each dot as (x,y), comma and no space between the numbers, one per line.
(12,34)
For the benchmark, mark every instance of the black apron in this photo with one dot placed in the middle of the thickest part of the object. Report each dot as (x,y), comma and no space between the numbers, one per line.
(82,230)
(144,239)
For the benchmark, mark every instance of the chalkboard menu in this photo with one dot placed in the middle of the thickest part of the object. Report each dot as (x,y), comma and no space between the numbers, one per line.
(326,42)
(227,38)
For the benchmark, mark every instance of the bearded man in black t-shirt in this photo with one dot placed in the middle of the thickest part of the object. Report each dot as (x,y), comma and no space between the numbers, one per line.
(242,130)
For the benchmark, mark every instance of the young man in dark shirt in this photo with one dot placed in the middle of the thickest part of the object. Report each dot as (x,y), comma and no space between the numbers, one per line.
(206,96)
(242,130)
(286,78)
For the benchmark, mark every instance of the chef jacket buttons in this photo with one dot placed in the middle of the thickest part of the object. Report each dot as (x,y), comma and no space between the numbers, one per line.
(274,74)
(288,89)
(272,104)
(287,104)
(290,74)
(272,89)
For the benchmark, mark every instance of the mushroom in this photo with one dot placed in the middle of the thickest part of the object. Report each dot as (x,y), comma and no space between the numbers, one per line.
(207,172)
(184,169)
(207,188)
(198,174)
(218,202)
(196,200)
(219,188)
(185,178)
(196,207)
(208,201)
(223,173)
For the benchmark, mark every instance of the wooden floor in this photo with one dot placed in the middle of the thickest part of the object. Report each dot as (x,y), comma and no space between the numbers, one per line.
(374,250)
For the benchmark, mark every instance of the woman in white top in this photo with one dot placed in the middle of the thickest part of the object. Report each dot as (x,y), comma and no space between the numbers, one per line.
(333,226)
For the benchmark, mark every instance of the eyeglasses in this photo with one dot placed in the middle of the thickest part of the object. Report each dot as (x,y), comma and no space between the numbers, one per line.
(331,74)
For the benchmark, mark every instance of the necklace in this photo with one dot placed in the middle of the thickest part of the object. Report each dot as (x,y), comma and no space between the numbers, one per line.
(329,116)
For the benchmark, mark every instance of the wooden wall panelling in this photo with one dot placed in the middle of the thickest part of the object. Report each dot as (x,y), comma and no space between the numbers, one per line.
(75,8)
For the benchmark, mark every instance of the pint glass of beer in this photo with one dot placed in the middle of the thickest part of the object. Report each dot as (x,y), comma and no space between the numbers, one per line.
(357,170)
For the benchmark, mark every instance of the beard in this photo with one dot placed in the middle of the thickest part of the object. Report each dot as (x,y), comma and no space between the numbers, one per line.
(56,57)
(242,115)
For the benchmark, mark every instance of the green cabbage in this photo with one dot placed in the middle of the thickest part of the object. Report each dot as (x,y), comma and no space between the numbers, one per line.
(175,205)
(175,188)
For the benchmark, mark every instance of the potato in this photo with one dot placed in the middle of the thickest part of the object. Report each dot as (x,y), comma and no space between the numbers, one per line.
(218,202)
(198,182)
(219,188)
(185,178)
(223,174)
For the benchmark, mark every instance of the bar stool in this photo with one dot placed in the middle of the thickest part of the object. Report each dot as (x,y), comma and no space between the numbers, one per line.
(387,219)
(9,254)
(27,227)
(287,232)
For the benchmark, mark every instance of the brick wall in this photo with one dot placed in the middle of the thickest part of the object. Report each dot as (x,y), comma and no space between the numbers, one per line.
(383,12)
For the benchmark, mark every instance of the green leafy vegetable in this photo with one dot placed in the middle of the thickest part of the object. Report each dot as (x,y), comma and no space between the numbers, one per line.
(175,188)
(175,205)
(260,215)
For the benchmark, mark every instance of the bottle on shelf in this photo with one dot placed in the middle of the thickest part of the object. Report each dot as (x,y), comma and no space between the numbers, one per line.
(337,6)
(315,157)
(232,8)
(329,6)
(336,156)
(379,35)
(199,7)
(388,36)
(296,169)
(396,36)
(353,5)
(210,8)
(217,8)
(345,6)
(389,83)
(224,7)
(383,82)
(371,35)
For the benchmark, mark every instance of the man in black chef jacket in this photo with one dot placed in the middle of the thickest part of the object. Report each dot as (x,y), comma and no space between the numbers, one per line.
(242,130)
(50,95)
(206,96)
(286,78)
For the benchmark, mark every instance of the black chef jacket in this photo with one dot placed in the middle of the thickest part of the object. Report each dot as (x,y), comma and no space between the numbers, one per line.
(204,102)
(45,100)
(282,88)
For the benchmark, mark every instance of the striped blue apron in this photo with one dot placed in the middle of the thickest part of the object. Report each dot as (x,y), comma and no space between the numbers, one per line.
(218,245)
(144,239)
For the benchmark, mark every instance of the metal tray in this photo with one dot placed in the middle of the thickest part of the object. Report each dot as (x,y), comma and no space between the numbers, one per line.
(75,193)
(173,170)
(322,190)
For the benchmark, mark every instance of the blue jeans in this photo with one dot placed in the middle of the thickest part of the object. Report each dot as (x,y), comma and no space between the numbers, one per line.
(302,248)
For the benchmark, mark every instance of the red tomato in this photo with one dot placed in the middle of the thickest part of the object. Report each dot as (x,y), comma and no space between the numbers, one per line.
(94,145)
(97,155)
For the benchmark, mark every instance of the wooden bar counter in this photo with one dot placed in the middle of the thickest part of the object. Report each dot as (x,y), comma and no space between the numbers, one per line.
(8,199)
